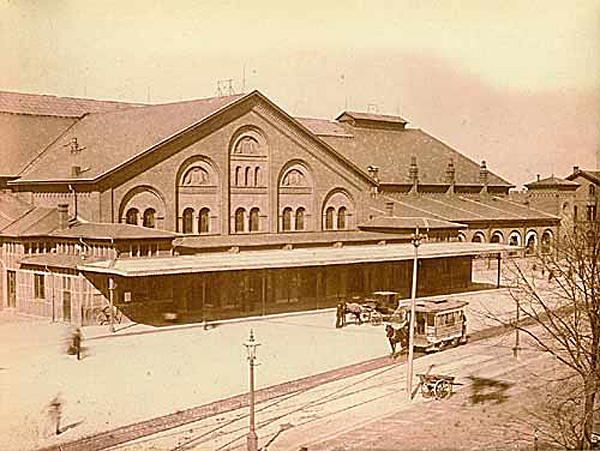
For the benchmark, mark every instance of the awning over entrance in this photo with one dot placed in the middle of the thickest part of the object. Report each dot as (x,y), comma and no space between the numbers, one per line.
(268,259)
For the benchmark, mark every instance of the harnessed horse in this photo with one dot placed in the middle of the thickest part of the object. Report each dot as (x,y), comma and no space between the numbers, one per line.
(396,336)
(354,309)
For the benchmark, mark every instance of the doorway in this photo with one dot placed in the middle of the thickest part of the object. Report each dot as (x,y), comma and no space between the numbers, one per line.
(12,288)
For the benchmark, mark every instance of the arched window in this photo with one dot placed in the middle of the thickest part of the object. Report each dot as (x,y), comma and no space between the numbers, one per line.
(546,241)
(530,246)
(341,219)
(238,172)
(253,226)
(329,218)
(132,216)
(203,220)
(239,220)
(188,220)
(477,238)
(300,218)
(247,177)
(592,190)
(286,223)
(149,218)
(257,176)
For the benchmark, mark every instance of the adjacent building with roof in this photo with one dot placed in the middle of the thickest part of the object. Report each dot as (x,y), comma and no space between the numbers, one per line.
(110,183)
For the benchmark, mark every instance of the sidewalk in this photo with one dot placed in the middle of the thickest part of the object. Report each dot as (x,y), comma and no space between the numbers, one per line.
(142,372)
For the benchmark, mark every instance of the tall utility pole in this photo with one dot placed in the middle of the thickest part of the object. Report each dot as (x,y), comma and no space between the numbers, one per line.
(251,345)
(416,241)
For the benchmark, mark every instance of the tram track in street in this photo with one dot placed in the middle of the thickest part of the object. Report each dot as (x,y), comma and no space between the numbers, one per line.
(136,431)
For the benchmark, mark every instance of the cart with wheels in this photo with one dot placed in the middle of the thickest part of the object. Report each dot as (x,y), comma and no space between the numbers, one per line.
(436,385)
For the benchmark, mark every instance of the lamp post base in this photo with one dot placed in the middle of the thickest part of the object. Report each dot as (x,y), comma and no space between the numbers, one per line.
(252,441)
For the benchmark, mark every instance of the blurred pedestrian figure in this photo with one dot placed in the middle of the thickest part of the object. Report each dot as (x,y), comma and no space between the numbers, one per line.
(339,316)
(55,411)
(75,344)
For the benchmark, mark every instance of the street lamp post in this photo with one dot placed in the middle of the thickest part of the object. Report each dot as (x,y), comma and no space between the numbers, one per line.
(416,241)
(251,345)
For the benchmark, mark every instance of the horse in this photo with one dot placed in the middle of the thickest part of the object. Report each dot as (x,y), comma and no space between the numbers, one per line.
(355,309)
(396,336)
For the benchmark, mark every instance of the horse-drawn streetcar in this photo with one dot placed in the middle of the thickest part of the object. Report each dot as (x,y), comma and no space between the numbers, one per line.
(438,323)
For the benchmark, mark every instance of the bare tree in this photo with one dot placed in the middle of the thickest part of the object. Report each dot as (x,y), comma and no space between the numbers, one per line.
(557,296)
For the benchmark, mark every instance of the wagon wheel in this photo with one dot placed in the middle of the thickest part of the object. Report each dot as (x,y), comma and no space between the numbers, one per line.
(426,390)
(101,317)
(443,387)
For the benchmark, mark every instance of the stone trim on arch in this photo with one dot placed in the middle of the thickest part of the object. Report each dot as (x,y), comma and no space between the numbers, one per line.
(497,237)
(478,237)
(295,197)
(143,198)
(197,187)
(531,241)
(248,141)
(515,238)
(338,204)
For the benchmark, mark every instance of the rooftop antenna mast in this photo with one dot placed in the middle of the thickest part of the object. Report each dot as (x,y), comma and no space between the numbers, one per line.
(225,87)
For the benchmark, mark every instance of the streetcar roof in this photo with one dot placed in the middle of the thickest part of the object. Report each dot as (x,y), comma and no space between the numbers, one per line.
(436,305)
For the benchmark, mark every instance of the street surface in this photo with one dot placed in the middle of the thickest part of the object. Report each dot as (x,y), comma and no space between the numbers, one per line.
(142,373)
(349,413)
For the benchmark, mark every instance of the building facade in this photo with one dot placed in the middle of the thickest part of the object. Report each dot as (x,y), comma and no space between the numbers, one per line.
(113,182)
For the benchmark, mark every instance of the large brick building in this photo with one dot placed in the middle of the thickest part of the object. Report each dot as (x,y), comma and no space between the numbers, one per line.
(109,184)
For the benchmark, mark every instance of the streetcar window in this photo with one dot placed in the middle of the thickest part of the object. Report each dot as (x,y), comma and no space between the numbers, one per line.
(430,320)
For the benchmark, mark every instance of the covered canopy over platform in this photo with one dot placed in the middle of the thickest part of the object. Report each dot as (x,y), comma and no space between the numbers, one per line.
(293,258)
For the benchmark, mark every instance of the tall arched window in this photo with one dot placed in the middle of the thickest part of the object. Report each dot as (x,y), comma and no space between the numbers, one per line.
(300,218)
(238,174)
(253,226)
(341,219)
(247,177)
(286,223)
(132,216)
(329,218)
(239,220)
(203,220)
(148,220)
(188,220)
(257,176)
(592,190)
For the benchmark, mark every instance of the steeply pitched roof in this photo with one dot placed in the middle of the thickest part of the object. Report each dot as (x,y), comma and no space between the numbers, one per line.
(49,105)
(11,209)
(111,139)
(391,152)
(324,127)
(550,182)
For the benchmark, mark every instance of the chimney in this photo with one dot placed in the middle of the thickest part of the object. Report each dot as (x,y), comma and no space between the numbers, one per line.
(538,177)
(575,168)
(451,176)
(389,208)
(413,174)
(373,172)
(75,171)
(483,176)
(63,216)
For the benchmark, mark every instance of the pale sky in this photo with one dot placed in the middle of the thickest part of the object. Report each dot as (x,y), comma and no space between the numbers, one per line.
(512,82)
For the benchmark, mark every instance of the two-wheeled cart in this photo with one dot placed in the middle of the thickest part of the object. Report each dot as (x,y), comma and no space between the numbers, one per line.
(436,386)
